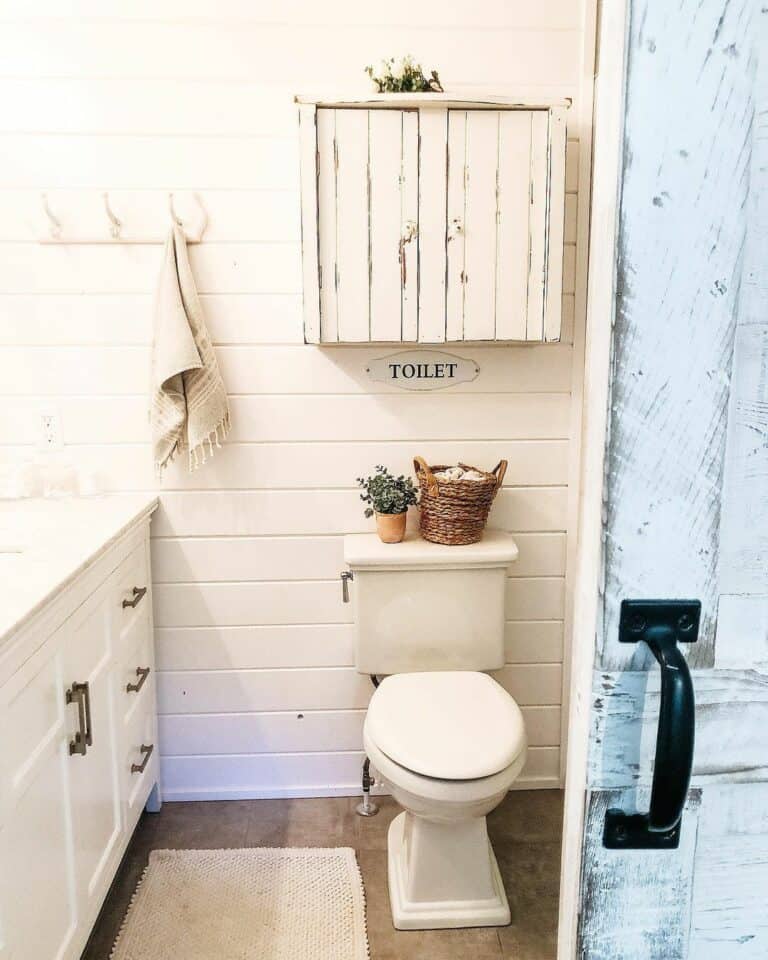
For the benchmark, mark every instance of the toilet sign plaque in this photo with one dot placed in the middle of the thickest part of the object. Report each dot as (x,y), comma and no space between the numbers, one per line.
(422,370)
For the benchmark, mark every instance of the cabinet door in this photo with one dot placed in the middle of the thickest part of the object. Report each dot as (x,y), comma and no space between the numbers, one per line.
(93,777)
(501,198)
(38,915)
(367,229)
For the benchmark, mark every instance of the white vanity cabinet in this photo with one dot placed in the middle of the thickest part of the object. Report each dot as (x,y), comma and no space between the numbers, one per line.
(429,219)
(79,761)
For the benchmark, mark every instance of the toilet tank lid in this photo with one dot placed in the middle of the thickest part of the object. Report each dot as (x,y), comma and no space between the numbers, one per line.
(365,550)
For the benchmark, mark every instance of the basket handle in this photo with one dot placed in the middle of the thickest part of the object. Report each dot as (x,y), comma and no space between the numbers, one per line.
(500,469)
(421,465)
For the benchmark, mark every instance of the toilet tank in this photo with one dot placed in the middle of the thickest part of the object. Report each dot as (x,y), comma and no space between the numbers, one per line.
(425,606)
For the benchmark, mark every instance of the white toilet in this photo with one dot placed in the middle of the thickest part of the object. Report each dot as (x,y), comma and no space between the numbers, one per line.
(447,739)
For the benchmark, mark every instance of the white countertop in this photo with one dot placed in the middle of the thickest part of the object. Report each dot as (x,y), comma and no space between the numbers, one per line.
(45,544)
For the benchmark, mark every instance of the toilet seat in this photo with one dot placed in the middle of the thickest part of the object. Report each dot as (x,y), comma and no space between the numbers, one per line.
(446,725)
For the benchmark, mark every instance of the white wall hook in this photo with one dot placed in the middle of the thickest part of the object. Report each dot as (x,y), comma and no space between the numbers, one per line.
(54,224)
(115,225)
(203,220)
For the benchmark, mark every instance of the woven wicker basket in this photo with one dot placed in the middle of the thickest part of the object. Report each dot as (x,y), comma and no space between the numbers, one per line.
(455,511)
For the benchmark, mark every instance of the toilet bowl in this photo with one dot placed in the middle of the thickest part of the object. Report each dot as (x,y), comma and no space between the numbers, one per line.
(449,744)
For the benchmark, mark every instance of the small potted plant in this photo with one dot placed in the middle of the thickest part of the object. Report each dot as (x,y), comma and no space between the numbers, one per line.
(388,497)
(404,77)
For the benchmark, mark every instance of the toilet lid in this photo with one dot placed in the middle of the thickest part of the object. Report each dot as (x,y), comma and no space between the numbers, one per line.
(453,725)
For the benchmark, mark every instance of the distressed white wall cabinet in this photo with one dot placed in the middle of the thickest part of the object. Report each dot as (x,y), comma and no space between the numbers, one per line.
(77,707)
(430,219)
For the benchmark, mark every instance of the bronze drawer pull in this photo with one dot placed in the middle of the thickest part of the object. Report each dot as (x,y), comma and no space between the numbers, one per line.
(146,749)
(80,694)
(138,593)
(142,673)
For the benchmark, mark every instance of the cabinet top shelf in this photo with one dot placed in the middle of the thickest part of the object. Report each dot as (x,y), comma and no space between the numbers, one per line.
(425,100)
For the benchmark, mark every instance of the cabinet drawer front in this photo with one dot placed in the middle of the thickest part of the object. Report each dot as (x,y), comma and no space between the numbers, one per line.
(139,750)
(132,592)
(135,671)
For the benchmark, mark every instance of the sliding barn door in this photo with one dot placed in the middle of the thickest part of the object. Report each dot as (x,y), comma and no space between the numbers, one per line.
(686,512)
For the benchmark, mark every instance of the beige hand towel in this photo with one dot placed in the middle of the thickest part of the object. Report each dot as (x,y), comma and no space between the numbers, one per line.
(189,402)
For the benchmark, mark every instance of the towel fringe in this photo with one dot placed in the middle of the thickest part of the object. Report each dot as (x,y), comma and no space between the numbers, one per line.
(197,454)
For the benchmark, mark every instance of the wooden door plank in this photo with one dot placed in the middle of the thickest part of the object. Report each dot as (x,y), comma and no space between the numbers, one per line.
(539,180)
(731,719)
(482,151)
(309,223)
(454,295)
(678,272)
(352,225)
(409,224)
(513,224)
(326,223)
(555,226)
(636,905)
(433,173)
(729,916)
(385,153)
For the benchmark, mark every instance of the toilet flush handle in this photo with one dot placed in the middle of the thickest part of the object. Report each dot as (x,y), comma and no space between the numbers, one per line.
(346,576)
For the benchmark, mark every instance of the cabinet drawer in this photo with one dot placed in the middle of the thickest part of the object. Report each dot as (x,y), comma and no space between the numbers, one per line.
(139,755)
(135,670)
(132,592)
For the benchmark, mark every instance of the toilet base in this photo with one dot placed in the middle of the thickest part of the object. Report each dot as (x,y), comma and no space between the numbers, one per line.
(443,874)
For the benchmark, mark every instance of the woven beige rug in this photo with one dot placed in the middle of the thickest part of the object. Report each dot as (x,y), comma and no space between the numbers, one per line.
(255,904)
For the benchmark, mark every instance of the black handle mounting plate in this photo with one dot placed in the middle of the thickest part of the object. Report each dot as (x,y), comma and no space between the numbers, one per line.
(680,616)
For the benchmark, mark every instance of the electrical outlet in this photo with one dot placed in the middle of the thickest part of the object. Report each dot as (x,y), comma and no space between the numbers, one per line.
(50,430)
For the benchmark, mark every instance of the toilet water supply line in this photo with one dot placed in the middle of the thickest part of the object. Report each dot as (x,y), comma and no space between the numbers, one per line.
(367,808)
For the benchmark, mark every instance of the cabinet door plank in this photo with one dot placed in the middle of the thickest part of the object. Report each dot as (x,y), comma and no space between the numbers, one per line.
(309,211)
(480,224)
(454,307)
(538,238)
(352,244)
(433,143)
(410,224)
(555,226)
(326,223)
(513,224)
(385,159)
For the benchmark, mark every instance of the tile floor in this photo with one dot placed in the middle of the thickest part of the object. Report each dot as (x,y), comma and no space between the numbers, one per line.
(525,831)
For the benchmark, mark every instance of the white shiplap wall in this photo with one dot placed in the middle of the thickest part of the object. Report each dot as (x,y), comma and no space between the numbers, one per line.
(257,693)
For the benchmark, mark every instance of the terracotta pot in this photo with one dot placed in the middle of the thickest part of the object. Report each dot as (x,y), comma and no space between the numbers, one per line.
(391,526)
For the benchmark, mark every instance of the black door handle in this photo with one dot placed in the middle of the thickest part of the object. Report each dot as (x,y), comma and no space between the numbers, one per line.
(662,624)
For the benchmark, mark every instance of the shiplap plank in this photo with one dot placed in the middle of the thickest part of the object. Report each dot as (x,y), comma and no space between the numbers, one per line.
(195,559)
(256,776)
(215,50)
(123,467)
(742,631)
(456,216)
(556,230)
(539,181)
(234,216)
(292,732)
(482,156)
(113,268)
(433,158)
(409,219)
(352,230)
(328,688)
(547,15)
(249,603)
(636,905)
(103,319)
(729,918)
(326,224)
(268,369)
(512,229)
(316,645)
(385,159)
(285,512)
(52,161)
(731,718)
(234,648)
(671,377)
